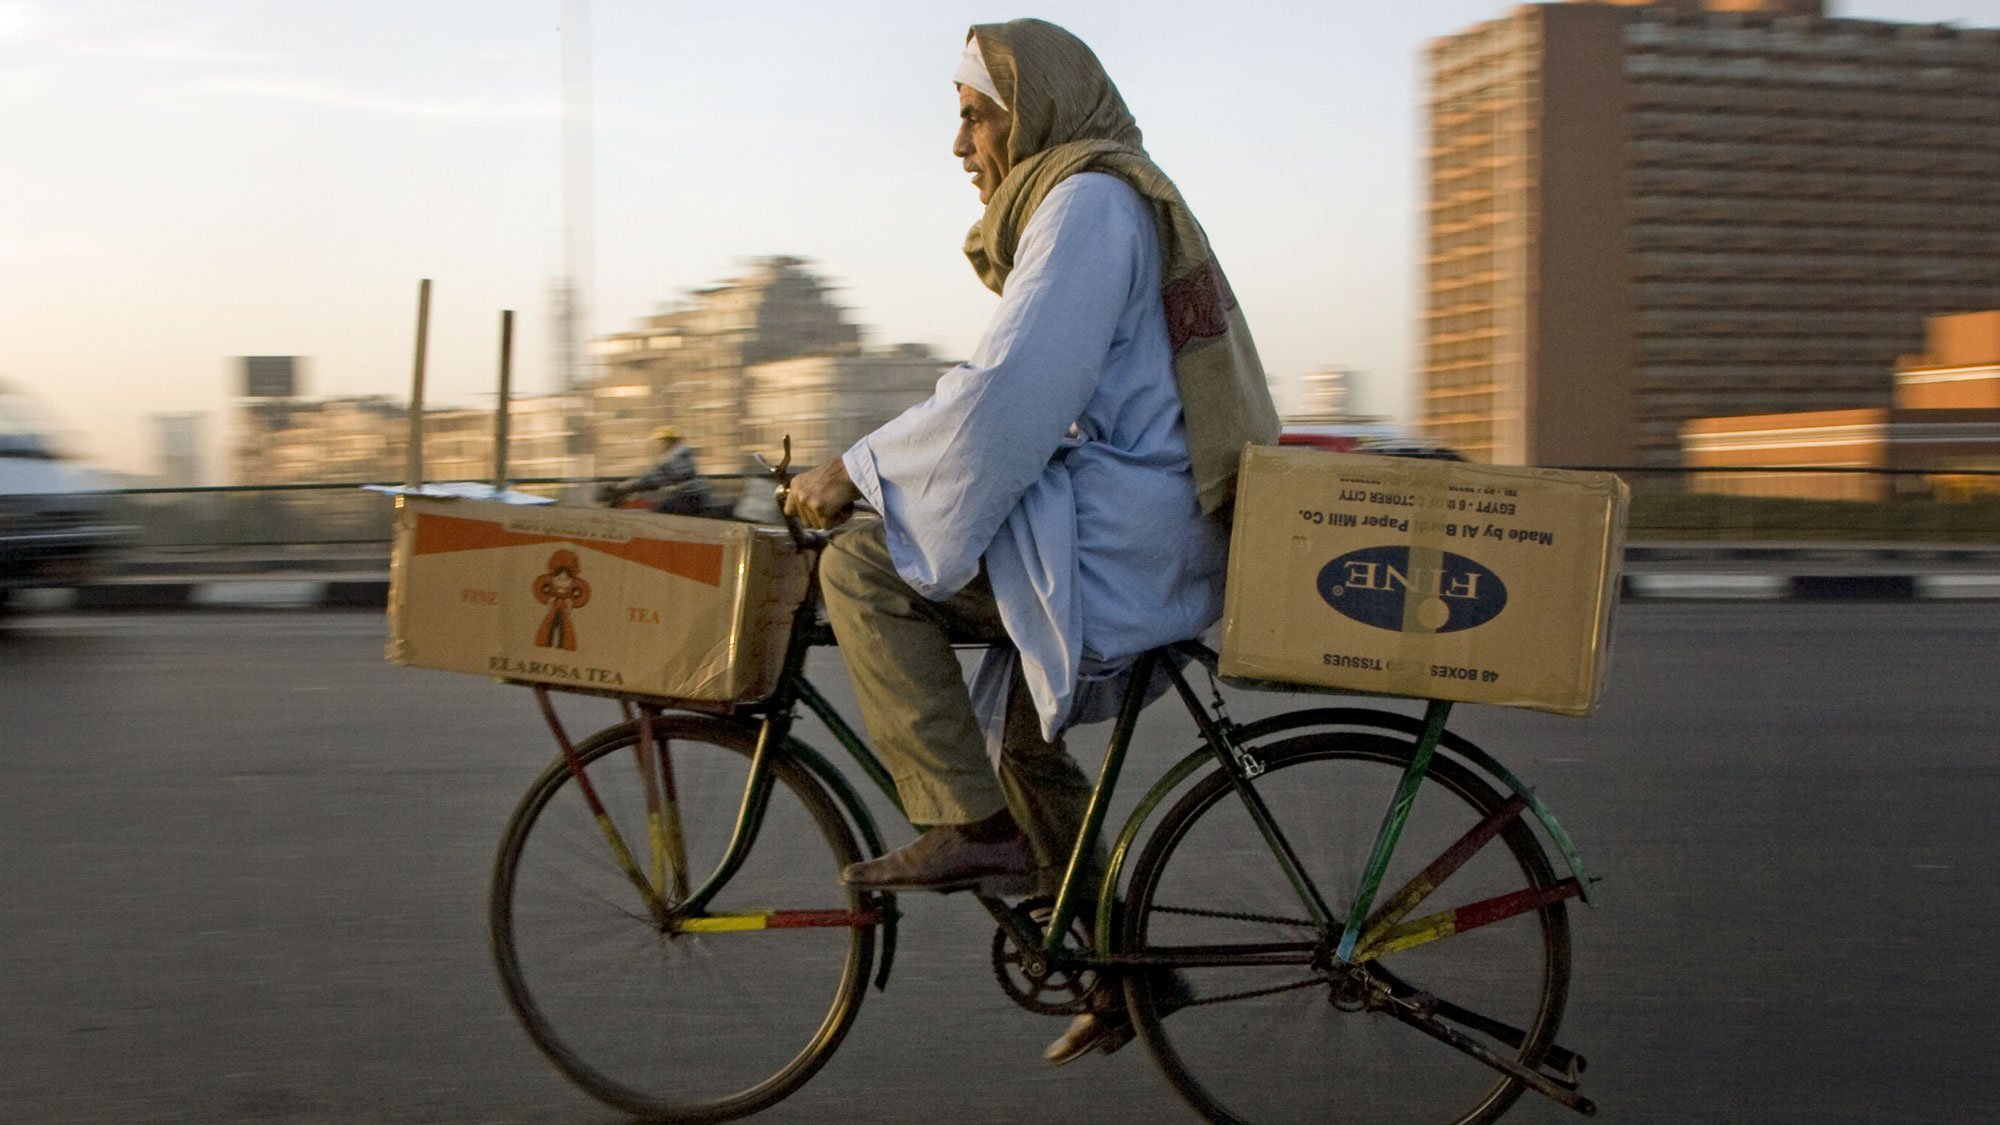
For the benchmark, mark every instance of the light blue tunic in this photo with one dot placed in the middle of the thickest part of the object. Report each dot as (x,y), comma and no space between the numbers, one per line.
(1057,455)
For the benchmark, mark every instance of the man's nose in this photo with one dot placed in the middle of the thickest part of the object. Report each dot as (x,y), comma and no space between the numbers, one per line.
(961,145)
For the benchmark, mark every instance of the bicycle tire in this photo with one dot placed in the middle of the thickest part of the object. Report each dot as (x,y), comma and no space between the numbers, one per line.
(1242,1042)
(678,1026)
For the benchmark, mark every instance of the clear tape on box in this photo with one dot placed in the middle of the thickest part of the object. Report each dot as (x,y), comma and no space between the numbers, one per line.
(1433,579)
(599,599)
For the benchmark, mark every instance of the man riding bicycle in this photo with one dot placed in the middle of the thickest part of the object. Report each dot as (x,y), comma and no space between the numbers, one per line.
(1063,493)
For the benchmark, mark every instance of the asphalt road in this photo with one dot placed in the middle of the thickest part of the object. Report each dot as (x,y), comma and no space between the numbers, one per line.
(243,867)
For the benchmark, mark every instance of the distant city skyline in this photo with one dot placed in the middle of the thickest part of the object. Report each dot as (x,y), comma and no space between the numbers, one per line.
(761,363)
(208,179)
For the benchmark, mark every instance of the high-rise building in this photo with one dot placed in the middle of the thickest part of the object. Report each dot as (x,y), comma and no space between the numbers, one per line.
(1645,212)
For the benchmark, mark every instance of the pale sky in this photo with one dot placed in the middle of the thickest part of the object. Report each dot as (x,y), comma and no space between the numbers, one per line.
(184,181)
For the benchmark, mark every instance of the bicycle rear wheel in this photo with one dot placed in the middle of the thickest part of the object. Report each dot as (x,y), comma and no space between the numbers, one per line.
(673,1023)
(1302,1041)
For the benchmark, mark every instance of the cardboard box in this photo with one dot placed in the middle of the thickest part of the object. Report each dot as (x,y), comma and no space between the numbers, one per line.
(1434,579)
(594,598)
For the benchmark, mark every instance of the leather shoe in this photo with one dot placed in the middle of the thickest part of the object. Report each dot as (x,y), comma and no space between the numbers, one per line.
(1091,1031)
(946,858)
(1110,1029)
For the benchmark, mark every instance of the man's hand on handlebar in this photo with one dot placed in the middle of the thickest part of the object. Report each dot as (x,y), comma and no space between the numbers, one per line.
(823,497)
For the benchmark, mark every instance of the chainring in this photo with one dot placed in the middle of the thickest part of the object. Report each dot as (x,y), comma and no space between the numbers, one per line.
(1055,992)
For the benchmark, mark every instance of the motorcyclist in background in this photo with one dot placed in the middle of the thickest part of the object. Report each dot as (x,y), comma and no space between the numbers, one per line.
(676,476)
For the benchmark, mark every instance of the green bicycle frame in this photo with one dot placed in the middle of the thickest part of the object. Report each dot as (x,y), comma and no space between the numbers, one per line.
(1360,937)
(1223,744)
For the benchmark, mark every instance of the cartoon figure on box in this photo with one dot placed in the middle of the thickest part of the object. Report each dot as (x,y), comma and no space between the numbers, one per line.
(562,590)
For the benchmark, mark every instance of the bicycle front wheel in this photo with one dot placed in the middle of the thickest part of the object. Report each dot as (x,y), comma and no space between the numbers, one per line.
(702,1018)
(1284,1033)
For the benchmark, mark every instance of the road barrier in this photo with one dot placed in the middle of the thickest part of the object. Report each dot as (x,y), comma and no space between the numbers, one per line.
(1878,505)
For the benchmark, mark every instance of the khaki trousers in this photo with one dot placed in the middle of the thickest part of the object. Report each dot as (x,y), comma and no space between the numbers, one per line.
(898,649)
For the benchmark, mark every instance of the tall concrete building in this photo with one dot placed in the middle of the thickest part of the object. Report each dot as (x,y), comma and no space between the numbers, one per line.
(685,367)
(1645,212)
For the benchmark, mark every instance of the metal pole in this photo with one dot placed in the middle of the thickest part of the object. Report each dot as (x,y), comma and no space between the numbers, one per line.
(414,465)
(500,410)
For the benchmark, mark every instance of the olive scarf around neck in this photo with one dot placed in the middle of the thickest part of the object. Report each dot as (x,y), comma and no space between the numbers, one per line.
(1069,118)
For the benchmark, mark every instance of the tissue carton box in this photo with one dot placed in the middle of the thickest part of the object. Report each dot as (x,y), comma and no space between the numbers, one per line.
(1432,579)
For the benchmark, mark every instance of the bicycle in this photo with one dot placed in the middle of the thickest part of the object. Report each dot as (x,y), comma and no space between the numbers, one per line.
(1231,944)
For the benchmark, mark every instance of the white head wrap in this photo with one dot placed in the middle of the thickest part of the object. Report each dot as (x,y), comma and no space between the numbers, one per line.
(972,72)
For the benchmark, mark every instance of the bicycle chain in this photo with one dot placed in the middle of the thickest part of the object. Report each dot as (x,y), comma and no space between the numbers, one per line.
(1199,913)
(1000,965)
(1249,994)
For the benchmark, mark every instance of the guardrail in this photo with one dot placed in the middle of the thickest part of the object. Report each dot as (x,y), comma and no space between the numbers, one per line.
(274,515)
(1720,504)
(1764,503)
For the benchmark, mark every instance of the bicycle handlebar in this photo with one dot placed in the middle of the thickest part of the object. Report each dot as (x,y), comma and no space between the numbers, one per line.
(804,538)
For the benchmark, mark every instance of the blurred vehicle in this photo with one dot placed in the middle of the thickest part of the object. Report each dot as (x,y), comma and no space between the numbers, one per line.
(673,486)
(1336,442)
(1380,440)
(1410,449)
(756,504)
(56,524)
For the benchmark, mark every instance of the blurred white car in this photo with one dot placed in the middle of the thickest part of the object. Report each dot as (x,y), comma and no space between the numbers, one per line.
(55,516)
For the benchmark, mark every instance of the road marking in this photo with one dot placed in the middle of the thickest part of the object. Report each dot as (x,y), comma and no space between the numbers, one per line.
(265,594)
(1749,587)
(1958,586)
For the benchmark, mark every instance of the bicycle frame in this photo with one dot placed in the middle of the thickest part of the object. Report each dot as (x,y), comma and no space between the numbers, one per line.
(1341,953)
(1222,743)
(1367,933)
